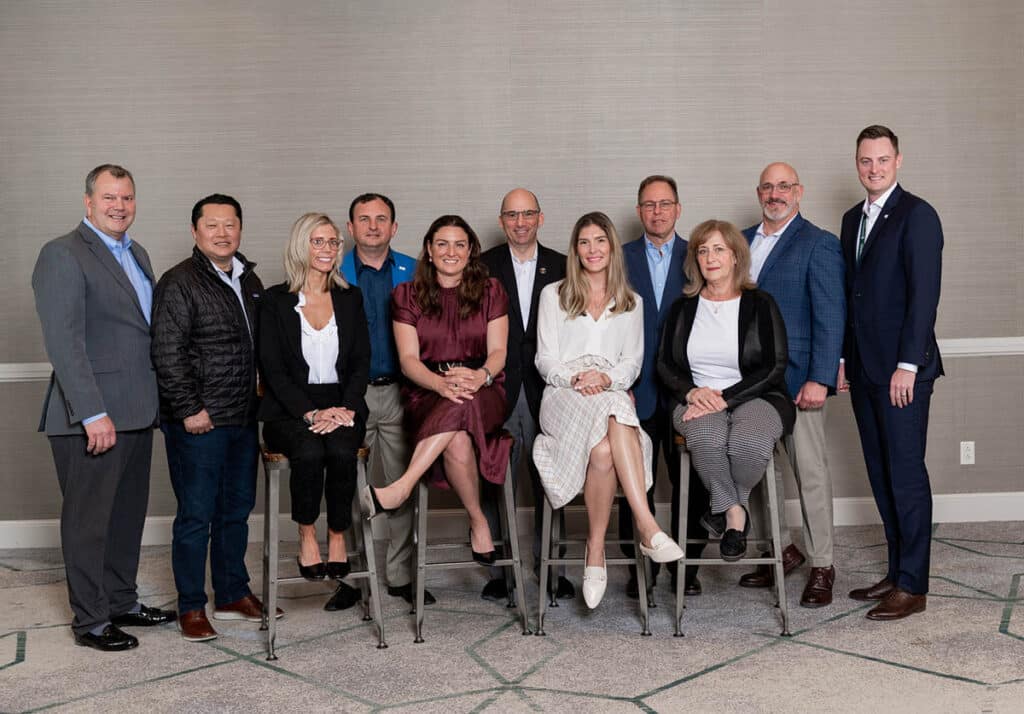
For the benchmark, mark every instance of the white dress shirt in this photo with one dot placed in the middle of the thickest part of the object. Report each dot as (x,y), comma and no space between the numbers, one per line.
(561,340)
(319,347)
(525,272)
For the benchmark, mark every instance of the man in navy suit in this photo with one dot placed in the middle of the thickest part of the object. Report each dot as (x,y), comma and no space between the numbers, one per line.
(654,264)
(802,267)
(892,244)
(523,267)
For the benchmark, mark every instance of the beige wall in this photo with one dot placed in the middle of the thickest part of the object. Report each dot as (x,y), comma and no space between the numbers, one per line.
(299,106)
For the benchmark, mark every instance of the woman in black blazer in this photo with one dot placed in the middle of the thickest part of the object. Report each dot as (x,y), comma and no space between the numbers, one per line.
(315,362)
(723,360)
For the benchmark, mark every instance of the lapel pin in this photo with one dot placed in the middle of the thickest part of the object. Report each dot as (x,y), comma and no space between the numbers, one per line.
(542,270)
(885,216)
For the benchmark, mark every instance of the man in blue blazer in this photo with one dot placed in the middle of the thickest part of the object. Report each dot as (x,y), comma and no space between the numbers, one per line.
(802,267)
(654,264)
(892,244)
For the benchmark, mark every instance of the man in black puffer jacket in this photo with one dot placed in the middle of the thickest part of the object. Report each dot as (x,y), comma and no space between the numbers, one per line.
(204,322)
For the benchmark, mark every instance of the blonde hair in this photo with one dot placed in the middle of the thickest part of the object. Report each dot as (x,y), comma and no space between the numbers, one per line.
(574,291)
(736,243)
(296,252)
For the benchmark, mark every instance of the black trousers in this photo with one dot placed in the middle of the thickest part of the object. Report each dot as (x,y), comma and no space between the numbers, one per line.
(659,427)
(101,521)
(322,466)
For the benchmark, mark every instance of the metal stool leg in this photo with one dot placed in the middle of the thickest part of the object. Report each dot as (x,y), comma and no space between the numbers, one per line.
(266,543)
(421,556)
(683,497)
(512,539)
(545,556)
(773,507)
(641,581)
(363,533)
(274,472)
(556,547)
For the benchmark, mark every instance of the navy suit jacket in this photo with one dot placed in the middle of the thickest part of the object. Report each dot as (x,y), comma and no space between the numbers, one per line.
(646,389)
(805,273)
(893,295)
(520,370)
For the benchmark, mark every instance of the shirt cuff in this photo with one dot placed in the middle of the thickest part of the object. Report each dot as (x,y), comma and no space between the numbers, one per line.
(907,366)
(91,419)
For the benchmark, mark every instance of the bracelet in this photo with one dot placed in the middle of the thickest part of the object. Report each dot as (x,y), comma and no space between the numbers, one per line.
(310,419)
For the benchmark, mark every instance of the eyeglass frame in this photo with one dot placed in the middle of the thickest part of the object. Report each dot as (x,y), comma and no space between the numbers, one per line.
(530,214)
(783,187)
(664,205)
(333,243)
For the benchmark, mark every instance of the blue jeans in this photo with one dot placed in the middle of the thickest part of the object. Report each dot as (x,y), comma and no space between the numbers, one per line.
(214,480)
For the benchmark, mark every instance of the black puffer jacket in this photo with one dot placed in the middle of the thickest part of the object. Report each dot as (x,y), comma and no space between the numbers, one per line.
(202,347)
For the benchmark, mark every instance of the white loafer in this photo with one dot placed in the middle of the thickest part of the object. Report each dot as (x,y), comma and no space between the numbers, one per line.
(663,549)
(595,580)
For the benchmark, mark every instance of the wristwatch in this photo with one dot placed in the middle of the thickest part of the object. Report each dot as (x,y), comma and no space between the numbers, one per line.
(490,379)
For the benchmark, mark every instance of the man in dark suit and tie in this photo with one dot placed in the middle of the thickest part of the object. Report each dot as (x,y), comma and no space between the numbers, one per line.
(94,294)
(654,264)
(523,266)
(892,244)
(801,266)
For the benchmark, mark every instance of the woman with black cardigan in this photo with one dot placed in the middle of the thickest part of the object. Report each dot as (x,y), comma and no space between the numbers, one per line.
(723,359)
(315,363)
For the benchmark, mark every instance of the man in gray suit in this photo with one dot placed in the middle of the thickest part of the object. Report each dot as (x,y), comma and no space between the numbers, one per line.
(94,291)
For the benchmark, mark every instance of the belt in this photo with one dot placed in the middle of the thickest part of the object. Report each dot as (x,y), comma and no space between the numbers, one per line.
(442,367)
(383,381)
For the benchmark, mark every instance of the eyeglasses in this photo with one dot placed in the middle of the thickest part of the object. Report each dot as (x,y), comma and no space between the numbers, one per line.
(781,187)
(648,206)
(527,215)
(333,243)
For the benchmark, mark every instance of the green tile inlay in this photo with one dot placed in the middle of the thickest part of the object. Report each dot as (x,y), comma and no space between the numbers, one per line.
(1012,598)
(19,648)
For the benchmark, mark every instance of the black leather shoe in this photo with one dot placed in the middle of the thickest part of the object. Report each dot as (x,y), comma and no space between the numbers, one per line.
(487,558)
(110,640)
(495,589)
(692,588)
(316,571)
(409,595)
(338,569)
(145,617)
(565,590)
(343,598)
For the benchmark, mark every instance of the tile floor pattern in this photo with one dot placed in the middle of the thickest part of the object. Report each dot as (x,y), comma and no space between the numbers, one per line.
(965,654)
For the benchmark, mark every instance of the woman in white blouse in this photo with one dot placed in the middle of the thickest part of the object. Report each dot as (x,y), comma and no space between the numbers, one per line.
(315,362)
(589,350)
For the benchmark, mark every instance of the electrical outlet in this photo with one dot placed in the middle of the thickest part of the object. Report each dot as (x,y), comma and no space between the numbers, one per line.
(966,453)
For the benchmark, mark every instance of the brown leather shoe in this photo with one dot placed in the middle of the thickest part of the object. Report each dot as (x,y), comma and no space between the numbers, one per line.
(195,627)
(248,608)
(878,591)
(818,591)
(763,576)
(897,605)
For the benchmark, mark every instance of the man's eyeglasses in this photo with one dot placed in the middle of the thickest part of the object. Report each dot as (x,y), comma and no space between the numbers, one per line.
(333,243)
(781,187)
(527,215)
(648,206)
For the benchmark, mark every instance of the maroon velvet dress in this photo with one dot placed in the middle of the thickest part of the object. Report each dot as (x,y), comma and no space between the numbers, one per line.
(448,338)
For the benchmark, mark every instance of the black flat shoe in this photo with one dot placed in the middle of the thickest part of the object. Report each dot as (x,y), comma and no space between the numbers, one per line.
(734,543)
(110,640)
(714,524)
(316,571)
(338,569)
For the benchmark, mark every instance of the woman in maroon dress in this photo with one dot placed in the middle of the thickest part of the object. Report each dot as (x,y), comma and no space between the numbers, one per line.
(451,327)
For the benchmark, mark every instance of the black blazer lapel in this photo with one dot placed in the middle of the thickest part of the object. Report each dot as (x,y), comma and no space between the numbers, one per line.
(888,209)
(507,277)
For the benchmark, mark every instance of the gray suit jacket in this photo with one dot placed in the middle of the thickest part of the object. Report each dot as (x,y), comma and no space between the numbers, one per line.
(95,334)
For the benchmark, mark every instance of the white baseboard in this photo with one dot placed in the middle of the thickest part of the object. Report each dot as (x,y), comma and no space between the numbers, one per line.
(451,522)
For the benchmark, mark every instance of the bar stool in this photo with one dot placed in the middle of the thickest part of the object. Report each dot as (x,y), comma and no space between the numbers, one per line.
(551,544)
(772,544)
(510,532)
(276,467)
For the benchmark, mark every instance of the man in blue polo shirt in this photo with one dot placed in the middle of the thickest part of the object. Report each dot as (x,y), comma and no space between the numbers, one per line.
(377,269)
